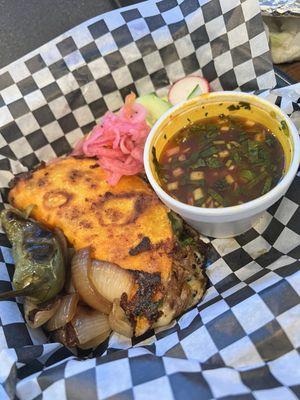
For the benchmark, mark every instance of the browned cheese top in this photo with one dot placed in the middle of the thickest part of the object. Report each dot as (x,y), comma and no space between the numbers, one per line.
(125,224)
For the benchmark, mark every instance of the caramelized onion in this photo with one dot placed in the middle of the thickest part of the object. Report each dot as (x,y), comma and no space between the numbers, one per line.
(65,335)
(65,312)
(166,317)
(37,315)
(118,320)
(89,324)
(69,287)
(91,344)
(110,280)
(80,264)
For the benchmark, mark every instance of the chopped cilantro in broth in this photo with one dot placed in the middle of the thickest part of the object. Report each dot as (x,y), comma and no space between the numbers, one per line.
(220,162)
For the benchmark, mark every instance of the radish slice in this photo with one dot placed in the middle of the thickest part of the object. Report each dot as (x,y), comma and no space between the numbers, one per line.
(188,87)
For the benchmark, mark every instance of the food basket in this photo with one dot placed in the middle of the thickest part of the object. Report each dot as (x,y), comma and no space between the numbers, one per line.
(242,340)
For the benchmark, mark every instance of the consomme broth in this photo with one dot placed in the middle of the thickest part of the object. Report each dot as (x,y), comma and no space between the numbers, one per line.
(220,162)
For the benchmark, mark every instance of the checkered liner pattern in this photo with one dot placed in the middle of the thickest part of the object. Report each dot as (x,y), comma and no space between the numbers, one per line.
(50,97)
(242,340)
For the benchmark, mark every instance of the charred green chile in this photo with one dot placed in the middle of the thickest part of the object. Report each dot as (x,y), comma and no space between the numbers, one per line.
(39,262)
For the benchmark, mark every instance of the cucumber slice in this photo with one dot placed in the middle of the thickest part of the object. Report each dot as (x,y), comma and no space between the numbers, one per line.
(155,106)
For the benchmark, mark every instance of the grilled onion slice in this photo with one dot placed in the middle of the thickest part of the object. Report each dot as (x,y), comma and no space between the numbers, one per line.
(94,342)
(80,264)
(37,315)
(110,280)
(118,320)
(64,313)
(90,324)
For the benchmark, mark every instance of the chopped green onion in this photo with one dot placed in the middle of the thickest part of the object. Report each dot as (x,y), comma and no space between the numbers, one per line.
(209,152)
(214,163)
(247,175)
(216,196)
(199,202)
(199,163)
(267,185)
(245,105)
(221,185)
(233,107)
(284,127)
(257,179)
(156,164)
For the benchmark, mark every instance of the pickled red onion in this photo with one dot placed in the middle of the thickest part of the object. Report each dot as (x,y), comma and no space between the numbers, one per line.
(118,142)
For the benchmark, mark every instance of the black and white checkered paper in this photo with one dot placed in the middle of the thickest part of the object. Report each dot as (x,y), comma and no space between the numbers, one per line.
(242,340)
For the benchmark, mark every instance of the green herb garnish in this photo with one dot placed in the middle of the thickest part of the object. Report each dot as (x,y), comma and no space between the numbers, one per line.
(212,131)
(179,230)
(252,150)
(247,175)
(267,185)
(199,202)
(245,105)
(199,163)
(157,165)
(197,128)
(213,162)
(257,179)
(236,157)
(216,196)
(233,107)
(188,241)
(284,127)
(222,185)
(242,104)
(208,152)
(270,140)
(176,222)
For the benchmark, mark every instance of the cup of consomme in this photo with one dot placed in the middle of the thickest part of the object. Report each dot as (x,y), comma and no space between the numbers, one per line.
(221,159)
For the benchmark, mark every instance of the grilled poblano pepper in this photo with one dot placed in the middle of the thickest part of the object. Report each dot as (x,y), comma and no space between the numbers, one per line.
(39,262)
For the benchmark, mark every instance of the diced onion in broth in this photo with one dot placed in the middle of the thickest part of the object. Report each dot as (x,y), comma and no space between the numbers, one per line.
(173,151)
(196,175)
(173,186)
(198,193)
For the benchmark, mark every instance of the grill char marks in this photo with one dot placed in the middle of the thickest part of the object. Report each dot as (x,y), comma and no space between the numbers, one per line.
(25,176)
(110,210)
(147,299)
(144,245)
